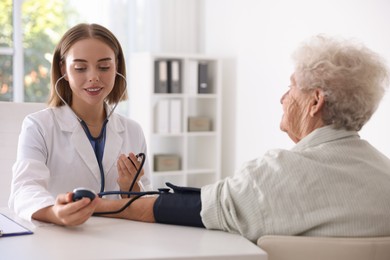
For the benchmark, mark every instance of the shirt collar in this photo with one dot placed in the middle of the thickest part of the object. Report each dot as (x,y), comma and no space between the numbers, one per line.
(323,135)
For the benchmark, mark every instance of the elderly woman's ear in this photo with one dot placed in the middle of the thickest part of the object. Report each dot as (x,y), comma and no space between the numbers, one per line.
(317,102)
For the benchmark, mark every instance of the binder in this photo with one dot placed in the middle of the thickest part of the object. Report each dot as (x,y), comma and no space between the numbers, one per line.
(175,116)
(9,227)
(162,117)
(161,76)
(203,84)
(174,70)
(192,70)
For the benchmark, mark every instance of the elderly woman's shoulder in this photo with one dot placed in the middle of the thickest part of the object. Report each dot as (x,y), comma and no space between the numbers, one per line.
(272,158)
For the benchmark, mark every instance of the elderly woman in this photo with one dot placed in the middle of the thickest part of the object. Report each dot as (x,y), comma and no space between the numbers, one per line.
(332,183)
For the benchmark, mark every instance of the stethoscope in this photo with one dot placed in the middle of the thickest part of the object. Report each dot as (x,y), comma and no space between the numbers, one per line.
(101,136)
(141,157)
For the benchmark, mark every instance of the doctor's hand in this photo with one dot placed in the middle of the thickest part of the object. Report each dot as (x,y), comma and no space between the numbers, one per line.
(127,169)
(65,212)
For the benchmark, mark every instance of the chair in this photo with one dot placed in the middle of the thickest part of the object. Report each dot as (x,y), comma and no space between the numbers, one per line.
(325,248)
(11,118)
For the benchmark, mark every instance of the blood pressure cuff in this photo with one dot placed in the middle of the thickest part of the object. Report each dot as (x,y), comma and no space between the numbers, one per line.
(180,207)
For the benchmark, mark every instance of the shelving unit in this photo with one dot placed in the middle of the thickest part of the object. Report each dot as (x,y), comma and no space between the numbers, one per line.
(199,151)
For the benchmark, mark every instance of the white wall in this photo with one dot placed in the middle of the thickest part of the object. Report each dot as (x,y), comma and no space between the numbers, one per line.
(258,37)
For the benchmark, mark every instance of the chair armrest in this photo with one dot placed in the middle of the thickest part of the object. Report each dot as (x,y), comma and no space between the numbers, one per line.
(321,248)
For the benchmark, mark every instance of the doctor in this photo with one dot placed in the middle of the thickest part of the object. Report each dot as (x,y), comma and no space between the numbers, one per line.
(77,140)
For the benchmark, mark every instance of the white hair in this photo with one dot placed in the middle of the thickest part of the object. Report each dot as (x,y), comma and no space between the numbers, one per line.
(352,77)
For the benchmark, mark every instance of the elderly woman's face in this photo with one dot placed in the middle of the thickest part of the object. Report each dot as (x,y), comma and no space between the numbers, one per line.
(295,107)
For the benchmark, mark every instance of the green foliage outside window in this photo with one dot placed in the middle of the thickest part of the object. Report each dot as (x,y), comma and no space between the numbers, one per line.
(5,41)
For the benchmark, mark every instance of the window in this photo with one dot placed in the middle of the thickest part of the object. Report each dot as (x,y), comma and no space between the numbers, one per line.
(6,51)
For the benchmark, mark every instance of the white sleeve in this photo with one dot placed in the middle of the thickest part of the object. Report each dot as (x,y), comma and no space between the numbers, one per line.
(28,188)
(30,174)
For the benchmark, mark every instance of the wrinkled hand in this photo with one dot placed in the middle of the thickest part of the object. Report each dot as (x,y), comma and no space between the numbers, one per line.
(65,212)
(127,169)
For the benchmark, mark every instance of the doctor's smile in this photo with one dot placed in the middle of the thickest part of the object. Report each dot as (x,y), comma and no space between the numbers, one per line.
(93,91)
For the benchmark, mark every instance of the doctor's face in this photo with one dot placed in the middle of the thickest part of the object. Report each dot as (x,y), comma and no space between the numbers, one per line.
(90,68)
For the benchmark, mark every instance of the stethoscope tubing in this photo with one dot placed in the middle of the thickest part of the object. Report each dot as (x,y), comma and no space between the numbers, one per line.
(131,194)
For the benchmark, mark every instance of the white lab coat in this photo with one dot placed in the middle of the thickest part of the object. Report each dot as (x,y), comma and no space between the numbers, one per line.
(55,156)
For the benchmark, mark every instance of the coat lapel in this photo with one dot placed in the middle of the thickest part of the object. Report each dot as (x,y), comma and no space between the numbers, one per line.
(84,149)
(114,142)
(69,123)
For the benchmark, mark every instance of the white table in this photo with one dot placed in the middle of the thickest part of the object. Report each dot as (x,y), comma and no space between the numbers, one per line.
(106,238)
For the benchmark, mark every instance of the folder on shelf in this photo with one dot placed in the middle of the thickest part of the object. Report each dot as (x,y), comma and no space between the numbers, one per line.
(175,116)
(192,70)
(161,76)
(9,227)
(162,117)
(174,76)
(203,84)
